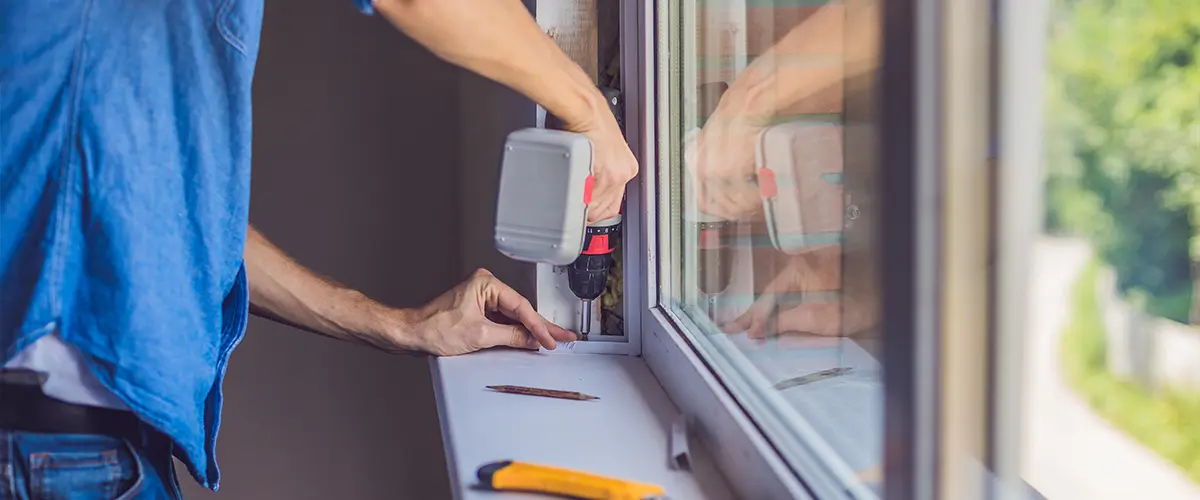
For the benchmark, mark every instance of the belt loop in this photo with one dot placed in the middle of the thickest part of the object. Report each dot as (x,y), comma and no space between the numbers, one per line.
(145,436)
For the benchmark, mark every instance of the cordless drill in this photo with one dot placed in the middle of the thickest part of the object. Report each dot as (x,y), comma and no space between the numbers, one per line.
(587,277)
(545,186)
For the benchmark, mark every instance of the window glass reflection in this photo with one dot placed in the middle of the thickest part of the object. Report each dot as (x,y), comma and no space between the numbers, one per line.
(770,257)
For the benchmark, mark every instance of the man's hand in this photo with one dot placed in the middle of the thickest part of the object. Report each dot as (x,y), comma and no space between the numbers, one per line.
(613,164)
(815,271)
(802,73)
(855,312)
(479,313)
(720,158)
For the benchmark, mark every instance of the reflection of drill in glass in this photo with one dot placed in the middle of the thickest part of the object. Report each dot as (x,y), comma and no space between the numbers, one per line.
(714,261)
(714,258)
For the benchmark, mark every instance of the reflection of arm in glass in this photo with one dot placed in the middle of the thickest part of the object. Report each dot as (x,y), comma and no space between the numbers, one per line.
(803,71)
(819,270)
(815,271)
(804,64)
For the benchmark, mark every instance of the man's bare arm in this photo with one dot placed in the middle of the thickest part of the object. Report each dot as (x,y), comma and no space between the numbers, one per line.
(498,39)
(284,291)
(775,82)
(455,323)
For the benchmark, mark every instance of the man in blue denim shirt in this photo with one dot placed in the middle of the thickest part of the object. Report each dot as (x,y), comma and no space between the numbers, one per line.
(127,266)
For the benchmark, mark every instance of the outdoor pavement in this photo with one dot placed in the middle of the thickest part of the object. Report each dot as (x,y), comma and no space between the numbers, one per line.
(1070,452)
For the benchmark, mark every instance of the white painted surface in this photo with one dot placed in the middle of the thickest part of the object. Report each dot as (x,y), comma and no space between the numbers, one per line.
(626,433)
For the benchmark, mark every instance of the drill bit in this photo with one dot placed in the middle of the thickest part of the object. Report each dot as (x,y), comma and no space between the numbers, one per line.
(585,317)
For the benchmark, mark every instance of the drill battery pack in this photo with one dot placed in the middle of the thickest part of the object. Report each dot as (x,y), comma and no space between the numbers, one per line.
(545,186)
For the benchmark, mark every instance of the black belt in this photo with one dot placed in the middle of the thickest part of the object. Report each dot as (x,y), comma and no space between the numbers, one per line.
(24,408)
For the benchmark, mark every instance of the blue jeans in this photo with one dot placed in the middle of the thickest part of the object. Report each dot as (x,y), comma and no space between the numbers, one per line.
(37,466)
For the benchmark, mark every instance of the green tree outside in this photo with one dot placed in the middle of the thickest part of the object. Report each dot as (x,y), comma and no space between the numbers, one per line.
(1123,142)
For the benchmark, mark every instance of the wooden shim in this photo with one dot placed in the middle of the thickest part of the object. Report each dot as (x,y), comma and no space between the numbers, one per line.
(572,25)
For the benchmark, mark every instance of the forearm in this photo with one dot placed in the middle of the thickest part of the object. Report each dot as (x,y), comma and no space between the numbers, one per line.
(498,39)
(810,62)
(283,290)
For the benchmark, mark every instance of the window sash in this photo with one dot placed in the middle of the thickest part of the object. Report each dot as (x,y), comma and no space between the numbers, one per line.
(912,123)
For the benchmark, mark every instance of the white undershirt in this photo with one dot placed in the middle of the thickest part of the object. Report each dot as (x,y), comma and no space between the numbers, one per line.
(68,378)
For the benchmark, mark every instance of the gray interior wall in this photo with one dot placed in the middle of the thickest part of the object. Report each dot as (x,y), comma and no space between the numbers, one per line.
(489,111)
(354,175)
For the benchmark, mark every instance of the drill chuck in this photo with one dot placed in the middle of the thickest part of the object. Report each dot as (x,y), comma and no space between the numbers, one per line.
(587,277)
(715,261)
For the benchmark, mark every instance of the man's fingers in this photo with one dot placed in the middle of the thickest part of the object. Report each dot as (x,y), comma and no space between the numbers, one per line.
(740,324)
(817,318)
(561,334)
(606,204)
(758,329)
(739,201)
(515,336)
(720,201)
(724,198)
(513,305)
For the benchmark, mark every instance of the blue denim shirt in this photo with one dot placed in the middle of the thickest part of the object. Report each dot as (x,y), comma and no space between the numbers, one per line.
(125,183)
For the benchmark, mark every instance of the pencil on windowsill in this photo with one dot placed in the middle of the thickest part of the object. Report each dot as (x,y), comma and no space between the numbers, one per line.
(546,393)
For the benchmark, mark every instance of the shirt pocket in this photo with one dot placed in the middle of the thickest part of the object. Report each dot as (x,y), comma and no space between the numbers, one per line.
(240,24)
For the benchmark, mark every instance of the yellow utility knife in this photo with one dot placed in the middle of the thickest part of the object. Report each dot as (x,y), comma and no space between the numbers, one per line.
(508,475)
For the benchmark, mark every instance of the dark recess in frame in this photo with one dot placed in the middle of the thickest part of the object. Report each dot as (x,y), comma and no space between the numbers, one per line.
(910,445)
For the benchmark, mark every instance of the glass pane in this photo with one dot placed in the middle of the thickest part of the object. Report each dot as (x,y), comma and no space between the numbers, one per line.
(1112,361)
(766,209)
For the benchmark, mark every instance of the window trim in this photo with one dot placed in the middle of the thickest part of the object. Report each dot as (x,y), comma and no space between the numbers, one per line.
(910,139)
(1019,34)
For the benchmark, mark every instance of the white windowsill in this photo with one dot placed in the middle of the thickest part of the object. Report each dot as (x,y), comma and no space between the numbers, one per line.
(624,434)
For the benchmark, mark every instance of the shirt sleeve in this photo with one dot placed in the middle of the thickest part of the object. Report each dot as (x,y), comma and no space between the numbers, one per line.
(365,6)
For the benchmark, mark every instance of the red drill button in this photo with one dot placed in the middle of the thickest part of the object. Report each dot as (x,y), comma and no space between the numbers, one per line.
(598,245)
(766,183)
(587,189)
(710,239)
